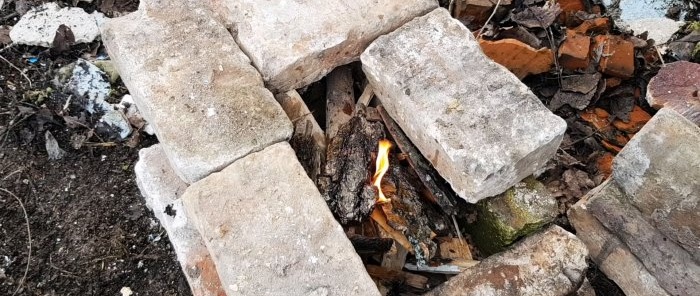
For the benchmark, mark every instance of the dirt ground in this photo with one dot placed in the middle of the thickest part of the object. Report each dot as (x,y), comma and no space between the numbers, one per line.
(91,233)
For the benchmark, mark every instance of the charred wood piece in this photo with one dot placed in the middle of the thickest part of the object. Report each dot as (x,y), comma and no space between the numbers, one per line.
(346,184)
(435,186)
(370,245)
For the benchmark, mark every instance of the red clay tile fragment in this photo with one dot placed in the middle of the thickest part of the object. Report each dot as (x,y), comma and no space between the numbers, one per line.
(475,12)
(573,52)
(677,86)
(615,55)
(612,148)
(638,118)
(597,117)
(604,164)
(518,57)
(569,9)
(599,25)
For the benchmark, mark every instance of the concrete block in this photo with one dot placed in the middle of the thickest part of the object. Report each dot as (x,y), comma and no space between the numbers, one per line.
(206,102)
(271,233)
(550,262)
(480,127)
(161,189)
(294,43)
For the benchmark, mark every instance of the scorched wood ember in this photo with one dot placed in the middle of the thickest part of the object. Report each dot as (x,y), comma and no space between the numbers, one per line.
(346,185)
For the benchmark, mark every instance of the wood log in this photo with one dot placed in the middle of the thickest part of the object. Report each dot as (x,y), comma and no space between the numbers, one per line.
(367,95)
(370,245)
(391,277)
(308,140)
(340,99)
(437,189)
(346,181)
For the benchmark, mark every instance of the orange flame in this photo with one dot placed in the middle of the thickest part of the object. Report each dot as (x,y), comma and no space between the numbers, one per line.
(382,166)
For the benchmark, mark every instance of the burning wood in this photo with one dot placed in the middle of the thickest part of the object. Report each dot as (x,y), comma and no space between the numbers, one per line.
(382,166)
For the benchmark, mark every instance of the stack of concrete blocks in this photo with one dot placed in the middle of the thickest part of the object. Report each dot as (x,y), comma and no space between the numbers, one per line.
(239,209)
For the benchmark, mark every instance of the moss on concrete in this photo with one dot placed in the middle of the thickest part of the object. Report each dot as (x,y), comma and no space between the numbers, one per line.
(521,210)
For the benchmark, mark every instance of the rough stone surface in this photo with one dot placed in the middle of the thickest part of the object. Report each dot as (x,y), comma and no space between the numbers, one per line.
(674,269)
(161,189)
(483,136)
(294,43)
(659,170)
(270,231)
(193,84)
(38,26)
(521,210)
(677,86)
(611,255)
(551,262)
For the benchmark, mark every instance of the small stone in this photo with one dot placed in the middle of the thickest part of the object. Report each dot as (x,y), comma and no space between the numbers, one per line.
(207,104)
(294,43)
(272,207)
(89,82)
(161,189)
(518,57)
(52,149)
(126,291)
(573,53)
(38,26)
(615,55)
(677,86)
(429,75)
(521,210)
(550,262)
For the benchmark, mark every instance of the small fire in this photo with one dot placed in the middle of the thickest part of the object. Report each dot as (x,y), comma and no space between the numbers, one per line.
(382,166)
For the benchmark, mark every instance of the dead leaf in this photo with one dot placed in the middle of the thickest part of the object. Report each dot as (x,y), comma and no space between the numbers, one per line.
(581,83)
(537,17)
(63,39)
(521,34)
(574,99)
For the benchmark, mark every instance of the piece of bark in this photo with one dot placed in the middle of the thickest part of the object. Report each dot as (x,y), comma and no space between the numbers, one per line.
(370,245)
(438,190)
(308,139)
(389,277)
(409,213)
(340,100)
(346,181)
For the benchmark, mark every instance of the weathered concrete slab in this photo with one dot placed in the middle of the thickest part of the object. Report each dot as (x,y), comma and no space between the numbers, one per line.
(550,262)
(674,269)
(161,189)
(39,25)
(294,43)
(659,170)
(207,104)
(482,135)
(611,255)
(521,210)
(270,231)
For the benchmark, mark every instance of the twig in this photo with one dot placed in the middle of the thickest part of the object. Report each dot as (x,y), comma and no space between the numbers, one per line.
(661,57)
(459,233)
(451,7)
(29,239)
(18,69)
(495,8)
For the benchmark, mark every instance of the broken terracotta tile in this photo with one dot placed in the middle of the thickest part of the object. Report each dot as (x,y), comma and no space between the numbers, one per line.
(612,82)
(611,147)
(604,164)
(518,57)
(599,25)
(598,118)
(615,55)
(638,118)
(569,9)
(677,86)
(573,52)
(475,12)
